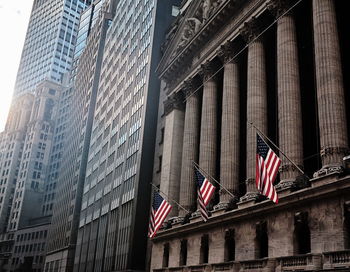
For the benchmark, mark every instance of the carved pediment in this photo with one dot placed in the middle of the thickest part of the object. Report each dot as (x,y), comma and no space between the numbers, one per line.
(185,28)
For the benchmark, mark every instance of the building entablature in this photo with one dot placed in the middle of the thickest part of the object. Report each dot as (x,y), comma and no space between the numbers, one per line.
(196,41)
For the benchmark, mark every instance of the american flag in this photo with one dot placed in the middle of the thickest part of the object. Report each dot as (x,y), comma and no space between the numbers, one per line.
(160,210)
(267,163)
(205,191)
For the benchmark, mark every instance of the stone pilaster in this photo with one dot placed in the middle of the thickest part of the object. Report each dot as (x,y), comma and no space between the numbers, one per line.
(289,102)
(208,135)
(330,90)
(256,101)
(172,149)
(230,127)
(190,148)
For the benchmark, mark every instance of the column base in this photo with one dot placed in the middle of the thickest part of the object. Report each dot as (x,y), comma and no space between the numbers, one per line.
(288,186)
(285,187)
(221,206)
(218,211)
(181,219)
(178,220)
(326,175)
(329,169)
(168,223)
(249,199)
(196,216)
(285,184)
(227,205)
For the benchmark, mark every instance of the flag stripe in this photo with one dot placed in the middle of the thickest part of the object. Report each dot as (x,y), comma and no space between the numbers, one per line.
(267,164)
(159,211)
(202,208)
(205,191)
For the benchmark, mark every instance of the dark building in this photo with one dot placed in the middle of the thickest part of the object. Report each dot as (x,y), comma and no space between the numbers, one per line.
(280,65)
(115,206)
(63,232)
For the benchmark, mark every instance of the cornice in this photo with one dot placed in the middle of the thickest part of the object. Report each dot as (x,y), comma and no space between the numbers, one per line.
(208,41)
(194,31)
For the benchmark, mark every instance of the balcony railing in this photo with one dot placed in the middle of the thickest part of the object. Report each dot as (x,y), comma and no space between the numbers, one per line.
(253,265)
(336,259)
(229,266)
(299,262)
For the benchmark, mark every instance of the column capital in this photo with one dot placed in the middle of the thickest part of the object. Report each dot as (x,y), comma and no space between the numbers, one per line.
(343,151)
(251,29)
(290,167)
(190,86)
(228,50)
(174,101)
(278,7)
(207,70)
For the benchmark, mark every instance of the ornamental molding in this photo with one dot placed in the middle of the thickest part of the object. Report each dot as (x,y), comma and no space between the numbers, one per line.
(190,32)
(251,29)
(174,101)
(334,150)
(228,51)
(279,7)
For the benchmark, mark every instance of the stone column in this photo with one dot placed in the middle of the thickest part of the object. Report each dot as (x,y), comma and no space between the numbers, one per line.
(330,90)
(230,127)
(256,101)
(208,135)
(172,150)
(189,149)
(289,102)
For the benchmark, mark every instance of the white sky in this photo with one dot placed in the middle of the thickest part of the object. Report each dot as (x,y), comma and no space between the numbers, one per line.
(14,17)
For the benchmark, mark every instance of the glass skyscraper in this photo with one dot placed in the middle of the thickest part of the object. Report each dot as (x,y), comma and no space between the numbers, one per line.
(49,44)
(36,121)
(84,80)
(113,223)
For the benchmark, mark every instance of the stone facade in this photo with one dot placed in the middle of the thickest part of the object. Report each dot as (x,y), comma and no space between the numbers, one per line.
(246,66)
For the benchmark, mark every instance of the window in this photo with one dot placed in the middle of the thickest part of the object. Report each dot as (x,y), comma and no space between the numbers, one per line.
(166,255)
(161,136)
(347,224)
(262,246)
(160,159)
(302,239)
(204,250)
(230,245)
(183,253)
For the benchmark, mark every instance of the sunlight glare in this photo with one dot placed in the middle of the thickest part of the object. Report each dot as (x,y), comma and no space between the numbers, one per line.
(14,17)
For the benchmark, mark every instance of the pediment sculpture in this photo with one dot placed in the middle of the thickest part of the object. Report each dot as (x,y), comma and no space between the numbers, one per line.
(194,23)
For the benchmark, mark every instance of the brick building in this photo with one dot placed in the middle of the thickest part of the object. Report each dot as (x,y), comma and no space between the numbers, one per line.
(280,65)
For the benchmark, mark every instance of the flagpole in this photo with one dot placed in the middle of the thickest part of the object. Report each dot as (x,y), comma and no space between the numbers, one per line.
(200,169)
(271,142)
(155,187)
